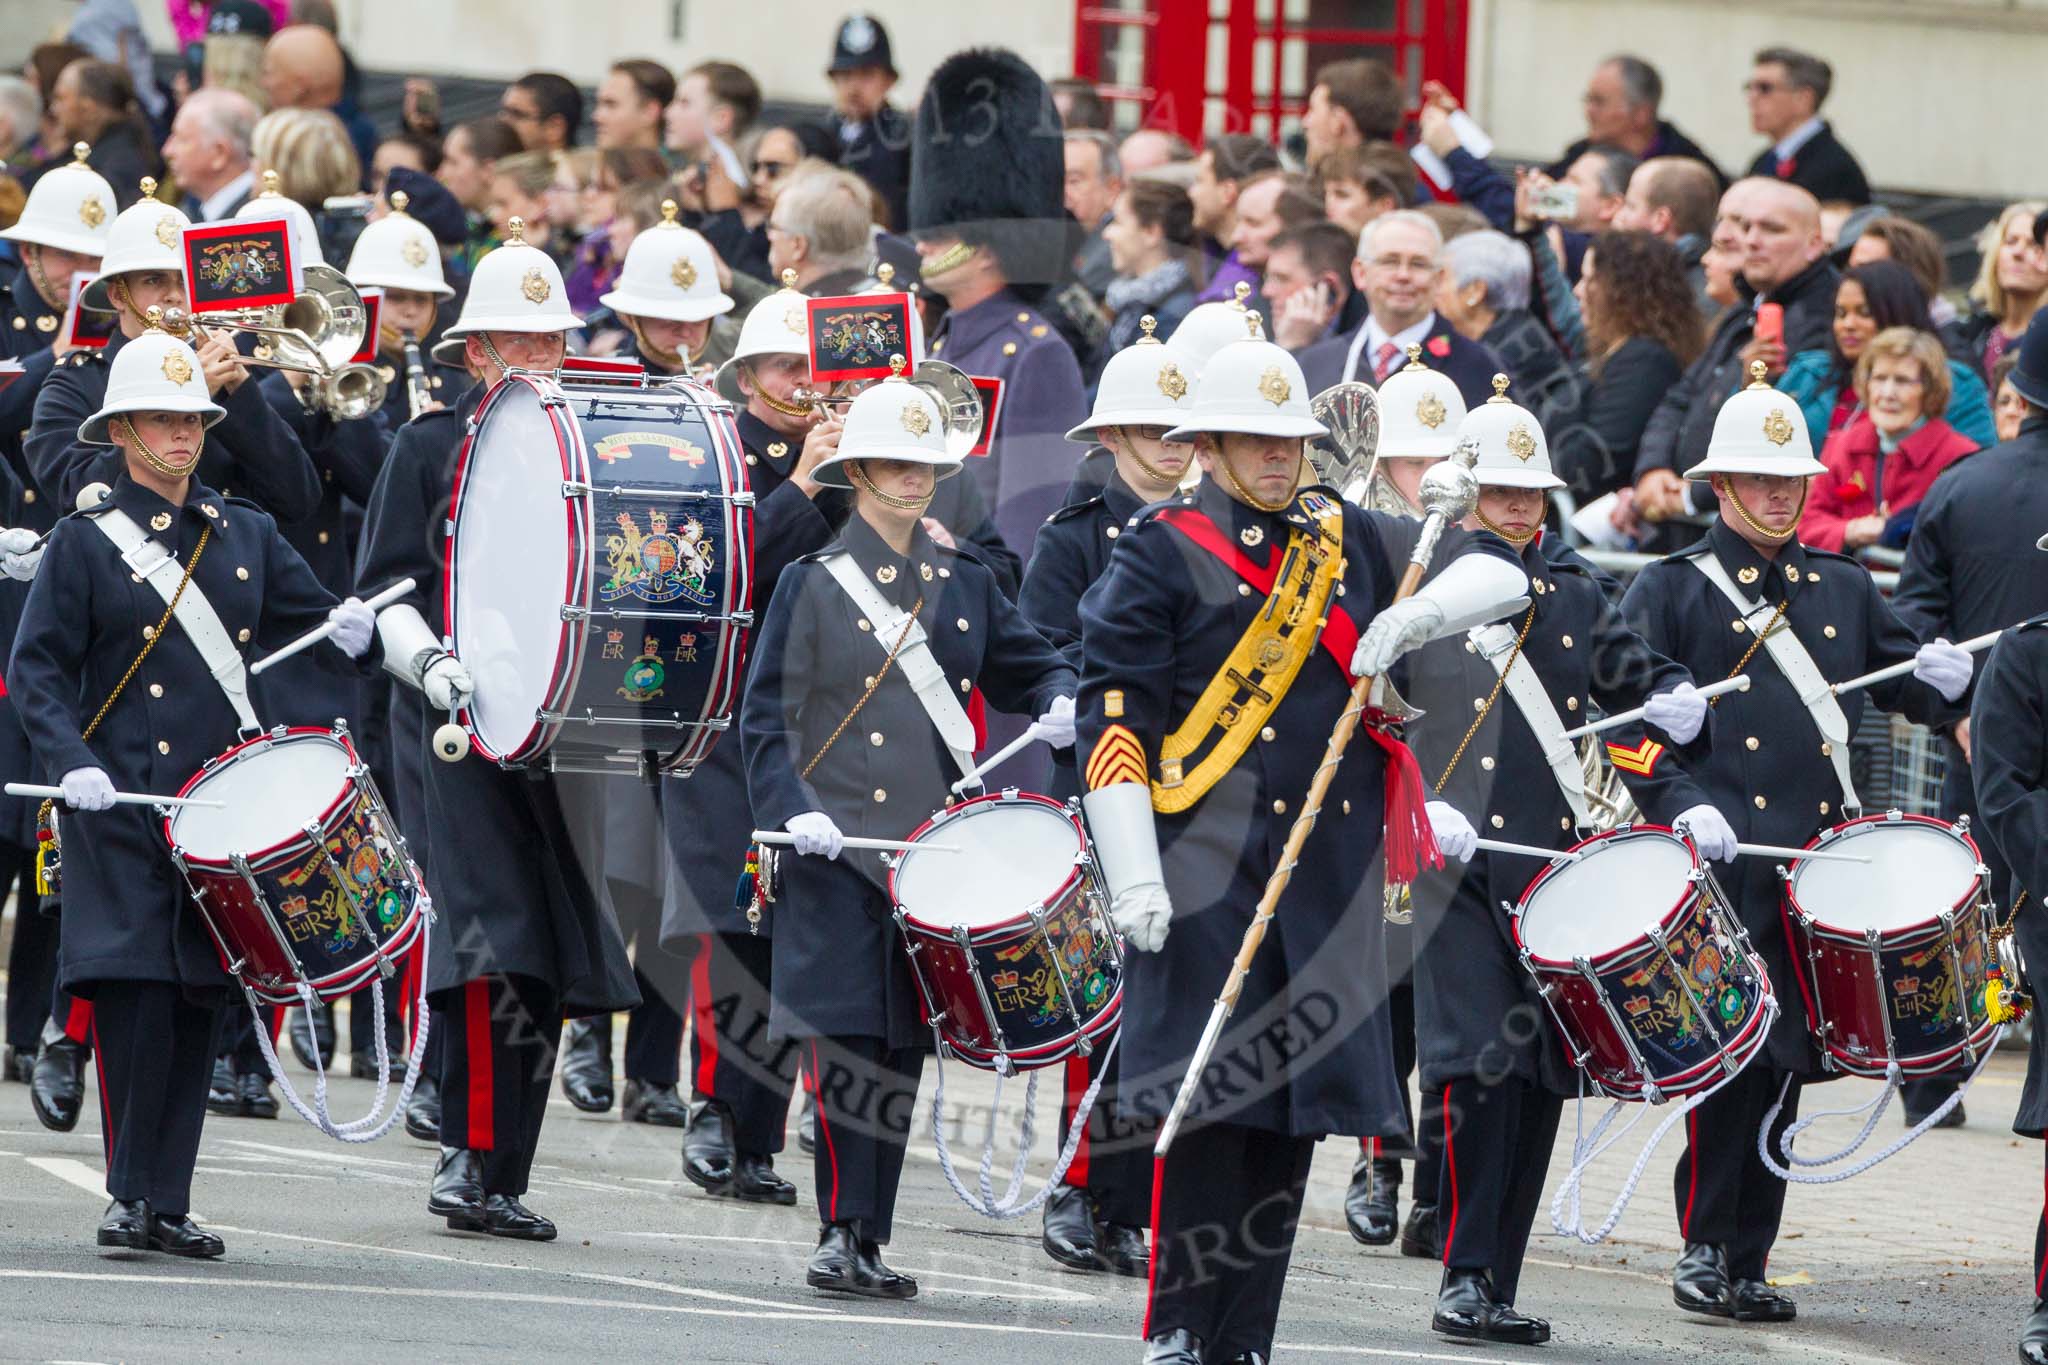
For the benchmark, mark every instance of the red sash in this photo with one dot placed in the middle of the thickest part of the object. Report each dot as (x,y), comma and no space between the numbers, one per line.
(1340,634)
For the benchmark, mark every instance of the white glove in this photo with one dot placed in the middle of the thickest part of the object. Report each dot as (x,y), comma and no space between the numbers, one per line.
(352,623)
(1711,833)
(447,683)
(1400,628)
(1944,667)
(1056,726)
(19,553)
(1679,713)
(1455,837)
(87,789)
(1142,915)
(815,833)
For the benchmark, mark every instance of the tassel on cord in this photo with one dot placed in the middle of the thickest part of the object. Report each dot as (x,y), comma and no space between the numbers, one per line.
(1411,844)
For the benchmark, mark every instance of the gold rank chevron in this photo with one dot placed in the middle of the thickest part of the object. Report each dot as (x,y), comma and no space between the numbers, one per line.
(1117,757)
(1641,760)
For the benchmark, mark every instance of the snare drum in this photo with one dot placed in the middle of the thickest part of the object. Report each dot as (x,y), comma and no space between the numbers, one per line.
(599,583)
(300,876)
(1009,989)
(1643,964)
(1893,955)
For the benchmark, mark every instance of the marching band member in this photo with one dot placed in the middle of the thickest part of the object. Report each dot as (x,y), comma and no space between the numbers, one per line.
(2009,762)
(1748,597)
(1096,1217)
(117,695)
(398,254)
(62,230)
(740,1089)
(668,297)
(853,722)
(522,935)
(1487,1051)
(1222,644)
(1420,411)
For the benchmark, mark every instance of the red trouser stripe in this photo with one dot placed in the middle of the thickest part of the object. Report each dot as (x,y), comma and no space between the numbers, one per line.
(1077,1086)
(1450,1168)
(78,1022)
(2041,1273)
(1692,1172)
(703,1025)
(1158,1249)
(825,1132)
(273,1019)
(476,1021)
(99,1064)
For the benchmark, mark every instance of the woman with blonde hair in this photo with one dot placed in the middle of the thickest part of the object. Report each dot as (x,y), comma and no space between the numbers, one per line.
(311,153)
(2012,282)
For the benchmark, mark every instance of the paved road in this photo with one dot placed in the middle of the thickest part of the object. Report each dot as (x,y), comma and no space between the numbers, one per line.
(329,1248)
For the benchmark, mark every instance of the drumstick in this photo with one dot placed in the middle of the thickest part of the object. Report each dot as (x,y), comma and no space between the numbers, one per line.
(1010,750)
(319,633)
(1752,850)
(120,798)
(1907,666)
(1738,683)
(769,836)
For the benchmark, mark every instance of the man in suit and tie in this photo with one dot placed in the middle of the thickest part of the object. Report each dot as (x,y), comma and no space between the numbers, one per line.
(1786,90)
(208,152)
(1399,263)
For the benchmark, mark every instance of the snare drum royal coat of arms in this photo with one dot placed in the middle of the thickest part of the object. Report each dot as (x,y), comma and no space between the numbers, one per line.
(659,565)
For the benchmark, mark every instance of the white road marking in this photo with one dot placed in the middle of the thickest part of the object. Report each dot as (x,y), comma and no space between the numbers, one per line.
(72,1172)
(336,1158)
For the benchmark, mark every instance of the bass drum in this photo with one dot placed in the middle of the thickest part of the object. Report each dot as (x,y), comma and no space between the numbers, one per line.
(600,552)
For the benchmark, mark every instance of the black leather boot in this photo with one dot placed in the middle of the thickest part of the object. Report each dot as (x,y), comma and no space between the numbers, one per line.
(254,1092)
(57,1087)
(846,1264)
(19,1066)
(1069,1235)
(755,1181)
(1755,1301)
(2034,1336)
(707,1147)
(505,1216)
(1421,1236)
(659,1105)
(423,1111)
(362,1066)
(313,1030)
(587,1066)
(1699,1282)
(126,1224)
(1121,1247)
(224,1091)
(1372,1206)
(458,1192)
(180,1236)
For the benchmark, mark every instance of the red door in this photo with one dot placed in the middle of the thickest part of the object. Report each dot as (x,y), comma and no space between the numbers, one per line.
(1176,64)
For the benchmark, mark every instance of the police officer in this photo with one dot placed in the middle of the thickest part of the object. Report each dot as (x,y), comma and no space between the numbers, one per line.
(740,1082)
(1420,411)
(116,694)
(1218,650)
(522,935)
(62,230)
(837,740)
(1748,597)
(1487,1050)
(1095,1218)
(2009,753)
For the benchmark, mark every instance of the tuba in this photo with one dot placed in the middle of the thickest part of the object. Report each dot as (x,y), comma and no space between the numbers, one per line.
(1346,457)
(316,333)
(959,401)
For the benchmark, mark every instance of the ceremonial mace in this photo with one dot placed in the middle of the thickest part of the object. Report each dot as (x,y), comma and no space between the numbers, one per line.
(1449,492)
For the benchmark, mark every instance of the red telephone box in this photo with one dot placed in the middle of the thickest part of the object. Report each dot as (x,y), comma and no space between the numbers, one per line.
(1183,66)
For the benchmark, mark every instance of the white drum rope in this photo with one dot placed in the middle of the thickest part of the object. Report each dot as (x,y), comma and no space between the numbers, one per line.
(1565,1214)
(376,1123)
(1007,1207)
(1877,1108)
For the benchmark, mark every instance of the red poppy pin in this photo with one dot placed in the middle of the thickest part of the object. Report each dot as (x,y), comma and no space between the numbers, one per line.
(1439,346)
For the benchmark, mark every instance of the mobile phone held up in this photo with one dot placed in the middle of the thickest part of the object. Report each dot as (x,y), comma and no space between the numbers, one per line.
(1770,323)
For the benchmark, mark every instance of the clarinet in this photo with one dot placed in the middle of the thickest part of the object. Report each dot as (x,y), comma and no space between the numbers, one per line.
(418,392)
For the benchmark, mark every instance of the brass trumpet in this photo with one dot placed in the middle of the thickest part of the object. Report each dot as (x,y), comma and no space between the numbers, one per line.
(314,334)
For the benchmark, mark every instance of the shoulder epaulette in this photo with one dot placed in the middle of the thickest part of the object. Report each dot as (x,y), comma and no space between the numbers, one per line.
(1074,509)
